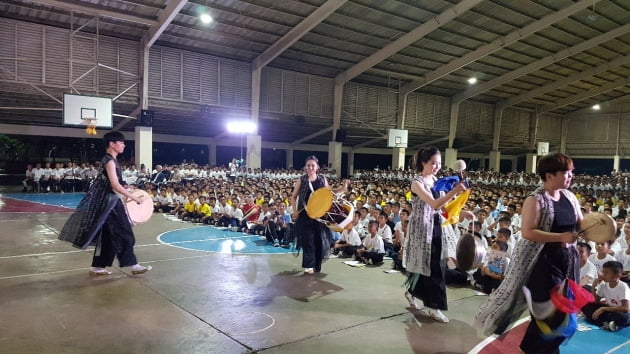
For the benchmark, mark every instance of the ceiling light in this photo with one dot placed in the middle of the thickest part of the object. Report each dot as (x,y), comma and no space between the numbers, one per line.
(205,18)
(472,80)
(596,107)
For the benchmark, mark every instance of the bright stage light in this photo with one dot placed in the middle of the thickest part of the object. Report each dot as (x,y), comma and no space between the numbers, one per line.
(205,18)
(596,107)
(242,127)
(472,80)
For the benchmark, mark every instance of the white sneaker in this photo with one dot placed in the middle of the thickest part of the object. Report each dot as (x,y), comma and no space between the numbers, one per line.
(436,315)
(309,270)
(138,269)
(99,271)
(412,301)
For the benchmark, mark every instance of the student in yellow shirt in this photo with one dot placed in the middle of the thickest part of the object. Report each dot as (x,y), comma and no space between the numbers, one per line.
(204,211)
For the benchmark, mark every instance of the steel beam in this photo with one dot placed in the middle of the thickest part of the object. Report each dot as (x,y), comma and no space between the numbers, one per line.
(164,19)
(621,60)
(587,94)
(497,44)
(297,32)
(614,101)
(95,11)
(406,40)
(537,65)
(311,136)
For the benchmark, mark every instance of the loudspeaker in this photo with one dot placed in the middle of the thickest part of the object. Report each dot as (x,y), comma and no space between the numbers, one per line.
(341,136)
(146,118)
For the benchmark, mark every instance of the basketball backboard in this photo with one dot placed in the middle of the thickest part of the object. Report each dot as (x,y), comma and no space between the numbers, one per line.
(79,109)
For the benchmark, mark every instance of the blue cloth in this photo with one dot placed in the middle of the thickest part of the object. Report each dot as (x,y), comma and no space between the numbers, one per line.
(446,184)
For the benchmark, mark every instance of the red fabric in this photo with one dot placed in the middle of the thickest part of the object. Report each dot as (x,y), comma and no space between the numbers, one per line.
(254,216)
(576,297)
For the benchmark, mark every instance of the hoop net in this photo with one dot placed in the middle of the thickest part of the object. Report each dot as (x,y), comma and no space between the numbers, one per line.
(91,125)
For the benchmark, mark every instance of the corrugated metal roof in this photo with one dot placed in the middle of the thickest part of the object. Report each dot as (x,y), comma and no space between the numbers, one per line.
(243,29)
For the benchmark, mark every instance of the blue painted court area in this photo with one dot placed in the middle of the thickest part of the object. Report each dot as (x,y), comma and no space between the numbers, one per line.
(592,339)
(212,239)
(66,200)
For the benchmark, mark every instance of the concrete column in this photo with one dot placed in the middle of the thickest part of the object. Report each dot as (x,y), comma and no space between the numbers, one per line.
(289,158)
(144,147)
(334,156)
(212,154)
(495,161)
(564,129)
(452,130)
(530,163)
(450,156)
(398,158)
(351,163)
(616,162)
(254,146)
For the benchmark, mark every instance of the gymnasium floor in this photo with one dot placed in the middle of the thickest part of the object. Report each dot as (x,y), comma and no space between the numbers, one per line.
(216,291)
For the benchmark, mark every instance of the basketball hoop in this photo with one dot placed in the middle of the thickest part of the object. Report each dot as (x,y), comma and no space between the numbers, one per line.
(91,125)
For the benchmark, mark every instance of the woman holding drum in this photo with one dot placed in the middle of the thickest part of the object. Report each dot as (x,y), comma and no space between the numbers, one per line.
(313,237)
(543,260)
(101,217)
(428,244)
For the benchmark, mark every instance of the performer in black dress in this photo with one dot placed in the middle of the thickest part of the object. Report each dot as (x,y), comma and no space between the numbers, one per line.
(544,259)
(101,218)
(313,237)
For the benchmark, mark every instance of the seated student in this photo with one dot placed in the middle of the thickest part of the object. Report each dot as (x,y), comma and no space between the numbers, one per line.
(610,310)
(588,271)
(505,235)
(362,225)
(490,275)
(349,240)
(204,211)
(270,223)
(385,231)
(601,256)
(162,203)
(372,250)
(236,215)
(188,211)
(258,227)
(284,224)
(400,230)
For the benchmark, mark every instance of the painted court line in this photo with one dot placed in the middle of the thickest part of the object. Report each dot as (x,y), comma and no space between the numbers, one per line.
(618,347)
(85,269)
(493,337)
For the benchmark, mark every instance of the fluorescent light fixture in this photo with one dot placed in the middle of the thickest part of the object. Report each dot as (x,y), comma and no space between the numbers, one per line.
(205,18)
(596,107)
(472,80)
(242,127)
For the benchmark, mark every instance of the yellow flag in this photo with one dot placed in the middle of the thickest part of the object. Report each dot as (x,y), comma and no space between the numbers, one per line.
(454,207)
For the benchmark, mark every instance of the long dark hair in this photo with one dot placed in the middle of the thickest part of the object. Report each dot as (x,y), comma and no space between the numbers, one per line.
(423,156)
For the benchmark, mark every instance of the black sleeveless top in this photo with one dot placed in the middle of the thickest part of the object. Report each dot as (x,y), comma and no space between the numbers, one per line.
(305,189)
(564,216)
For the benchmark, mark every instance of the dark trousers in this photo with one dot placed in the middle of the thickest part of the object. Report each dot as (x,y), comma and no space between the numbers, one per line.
(311,242)
(487,283)
(432,289)
(622,319)
(116,240)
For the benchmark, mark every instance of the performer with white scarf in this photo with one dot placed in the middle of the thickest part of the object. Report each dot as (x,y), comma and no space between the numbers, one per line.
(545,257)
(428,244)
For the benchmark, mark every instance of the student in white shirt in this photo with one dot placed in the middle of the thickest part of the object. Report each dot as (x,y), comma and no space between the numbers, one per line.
(588,271)
(601,256)
(373,250)
(349,240)
(611,308)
